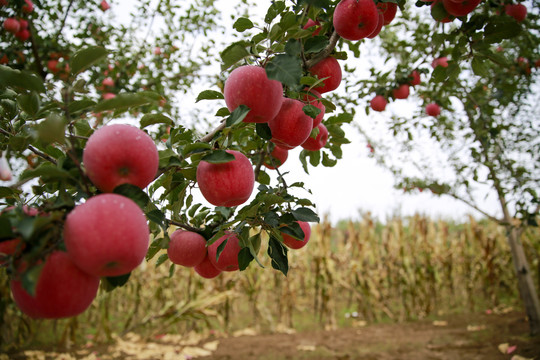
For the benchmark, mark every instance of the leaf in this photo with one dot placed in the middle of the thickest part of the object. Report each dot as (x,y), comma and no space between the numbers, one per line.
(501,29)
(221,247)
(124,102)
(263,130)
(112,282)
(326,161)
(196,147)
(30,278)
(278,253)
(161,259)
(151,119)
(315,44)
(7,192)
(218,157)
(238,115)
(20,79)
(234,53)
(479,67)
(157,216)
(47,172)
(29,103)
(305,214)
(85,58)
(311,111)
(209,95)
(286,69)
(244,258)
(274,10)
(242,24)
(293,48)
(80,105)
(133,192)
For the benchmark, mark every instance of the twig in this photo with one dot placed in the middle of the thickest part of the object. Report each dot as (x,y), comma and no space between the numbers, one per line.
(64,19)
(184,226)
(41,154)
(325,52)
(211,134)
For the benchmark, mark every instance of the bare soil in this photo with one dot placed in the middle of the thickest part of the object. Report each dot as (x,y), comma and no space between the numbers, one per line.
(459,337)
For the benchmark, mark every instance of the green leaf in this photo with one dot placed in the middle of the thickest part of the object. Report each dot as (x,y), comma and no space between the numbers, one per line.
(222,112)
(311,111)
(278,253)
(209,95)
(52,130)
(87,57)
(242,24)
(30,278)
(479,68)
(19,143)
(81,105)
(20,79)
(274,10)
(112,282)
(196,147)
(233,54)
(237,115)
(500,29)
(221,247)
(133,192)
(315,44)
(7,192)
(29,103)
(305,214)
(151,119)
(244,258)
(326,161)
(46,171)
(263,130)
(161,259)
(124,102)
(286,69)
(218,157)
(157,216)
(263,178)
(293,48)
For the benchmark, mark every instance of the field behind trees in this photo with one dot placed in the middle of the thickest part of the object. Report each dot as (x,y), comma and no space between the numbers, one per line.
(354,273)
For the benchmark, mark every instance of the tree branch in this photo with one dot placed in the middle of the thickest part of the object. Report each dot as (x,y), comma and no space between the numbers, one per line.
(325,52)
(184,226)
(211,134)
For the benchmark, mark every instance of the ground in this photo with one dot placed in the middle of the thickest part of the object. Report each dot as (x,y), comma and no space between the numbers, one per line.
(459,337)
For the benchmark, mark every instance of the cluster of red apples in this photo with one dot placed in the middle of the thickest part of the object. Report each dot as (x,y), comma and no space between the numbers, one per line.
(448,10)
(19,26)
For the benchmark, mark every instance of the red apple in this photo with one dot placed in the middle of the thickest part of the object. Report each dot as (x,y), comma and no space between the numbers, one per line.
(355,19)
(517,11)
(23,24)
(107,235)
(104,5)
(415,78)
(108,82)
(316,25)
(402,92)
(28,7)
(278,156)
(119,154)
(294,243)
(388,10)
(249,85)
(316,143)
(109,96)
(23,34)
(206,269)
(186,248)
(461,8)
(3,2)
(378,103)
(312,98)
(226,184)
(12,25)
(62,290)
(4,59)
(433,109)
(378,28)
(329,70)
(52,65)
(291,126)
(5,170)
(441,61)
(439,13)
(228,259)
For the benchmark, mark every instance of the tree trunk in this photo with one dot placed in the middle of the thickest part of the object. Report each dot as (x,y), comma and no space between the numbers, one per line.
(527,289)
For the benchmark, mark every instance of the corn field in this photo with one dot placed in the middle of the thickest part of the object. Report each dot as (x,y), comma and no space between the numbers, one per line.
(409,268)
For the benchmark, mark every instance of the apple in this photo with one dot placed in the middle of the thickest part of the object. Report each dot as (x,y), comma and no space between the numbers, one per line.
(378,28)
(228,259)
(402,92)
(28,7)
(108,82)
(12,25)
(294,243)
(441,61)
(378,103)
(278,156)
(186,248)
(206,269)
(461,8)
(249,85)
(355,19)
(4,59)
(13,247)
(433,109)
(108,96)
(104,5)
(315,24)
(3,2)
(517,11)
(107,235)
(312,98)
(5,170)
(23,34)
(119,154)
(415,78)
(439,13)
(62,290)
(389,10)
(291,126)
(316,143)
(329,70)
(23,24)
(226,184)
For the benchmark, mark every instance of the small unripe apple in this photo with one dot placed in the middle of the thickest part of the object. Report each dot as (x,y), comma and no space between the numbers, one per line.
(355,19)
(378,103)
(108,235)
(291,126)
(329,70)
(62,290)
(119,154)
(277,157)
(12,25)
(313,99)
(318,142)
(228,259)
(402,92)
(206,269)
(433,109)
(249,85)
(517,11)
(226,184)
(294,243)
(186,248)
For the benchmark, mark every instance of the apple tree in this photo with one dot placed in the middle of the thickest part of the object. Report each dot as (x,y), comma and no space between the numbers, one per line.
(471,125)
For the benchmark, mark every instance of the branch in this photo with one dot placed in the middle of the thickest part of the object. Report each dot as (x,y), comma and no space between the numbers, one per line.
(211,134)
(39,63)
(184,226)
(325,52)
(41,154)
(475,207)
(59,32)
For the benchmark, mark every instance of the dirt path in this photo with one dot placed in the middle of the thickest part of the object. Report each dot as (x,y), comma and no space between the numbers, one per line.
(461,337)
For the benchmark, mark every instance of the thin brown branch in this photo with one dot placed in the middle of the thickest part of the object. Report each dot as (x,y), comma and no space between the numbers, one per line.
(35,51)
(325,52)
(208,137)
(41,154)
(184,226)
